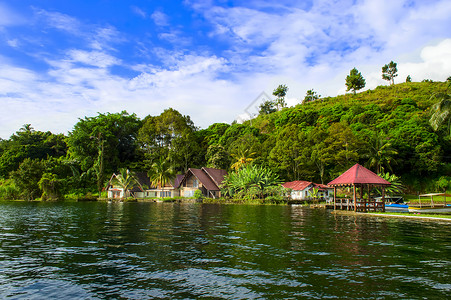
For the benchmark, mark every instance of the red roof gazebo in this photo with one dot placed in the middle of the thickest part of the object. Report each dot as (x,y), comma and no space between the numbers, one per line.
(360,177)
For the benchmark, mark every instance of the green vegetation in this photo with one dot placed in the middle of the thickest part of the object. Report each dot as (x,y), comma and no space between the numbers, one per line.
(388,128)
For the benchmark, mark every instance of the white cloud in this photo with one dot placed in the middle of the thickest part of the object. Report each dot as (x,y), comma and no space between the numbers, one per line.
(60,21)
(13,43)
(93,58)
(303,46)
(139,11)
(160,18)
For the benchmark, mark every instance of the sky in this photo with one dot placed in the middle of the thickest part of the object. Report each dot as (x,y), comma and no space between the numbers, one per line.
(212,60)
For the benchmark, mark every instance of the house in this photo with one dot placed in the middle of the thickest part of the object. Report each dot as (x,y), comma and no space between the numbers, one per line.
(207,180)
(143,188)
(301,189)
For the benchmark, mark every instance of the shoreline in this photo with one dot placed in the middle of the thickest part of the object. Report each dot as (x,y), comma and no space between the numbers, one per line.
(388,215)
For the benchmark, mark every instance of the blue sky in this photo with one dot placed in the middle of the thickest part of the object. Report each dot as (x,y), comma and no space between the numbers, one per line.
(63,60)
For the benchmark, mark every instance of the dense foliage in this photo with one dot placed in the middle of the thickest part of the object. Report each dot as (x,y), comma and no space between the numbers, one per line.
(388,129)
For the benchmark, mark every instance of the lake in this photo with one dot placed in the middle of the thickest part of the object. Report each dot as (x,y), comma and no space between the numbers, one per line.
(191,251)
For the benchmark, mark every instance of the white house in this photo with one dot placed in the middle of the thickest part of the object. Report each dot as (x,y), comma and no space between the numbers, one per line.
(301,190)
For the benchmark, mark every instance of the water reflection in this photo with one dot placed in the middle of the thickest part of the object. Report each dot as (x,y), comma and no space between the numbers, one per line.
(167,250)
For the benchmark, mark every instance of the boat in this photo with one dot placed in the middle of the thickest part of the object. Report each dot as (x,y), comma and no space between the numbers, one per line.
(393,207)
(394,204)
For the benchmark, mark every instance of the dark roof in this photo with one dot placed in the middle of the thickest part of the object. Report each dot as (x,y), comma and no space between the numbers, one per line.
(217,175)
(358,174)
(177,180)
(210,178)
(143,179)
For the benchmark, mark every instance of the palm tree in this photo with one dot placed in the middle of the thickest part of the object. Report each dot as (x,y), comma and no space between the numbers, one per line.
(381,152)
(242,159)
(441,112)
(161,173)
(124,179)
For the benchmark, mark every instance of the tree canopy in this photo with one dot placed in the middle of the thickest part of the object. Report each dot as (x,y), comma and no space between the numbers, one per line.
(355,81)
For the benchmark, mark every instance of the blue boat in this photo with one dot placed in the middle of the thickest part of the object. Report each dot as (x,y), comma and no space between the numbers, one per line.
(394,207)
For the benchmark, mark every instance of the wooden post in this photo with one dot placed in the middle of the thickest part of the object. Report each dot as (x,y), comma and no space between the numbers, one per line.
(383,198)
(335,197)
(367,208)
(355,200)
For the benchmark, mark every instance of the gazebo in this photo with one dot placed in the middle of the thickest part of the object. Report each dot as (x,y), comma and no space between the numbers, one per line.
(359,177)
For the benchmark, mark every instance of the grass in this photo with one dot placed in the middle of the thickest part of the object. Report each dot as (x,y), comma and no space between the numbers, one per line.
(414,215)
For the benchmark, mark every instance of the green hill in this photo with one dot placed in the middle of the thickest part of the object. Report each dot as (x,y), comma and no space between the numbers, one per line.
(385,129)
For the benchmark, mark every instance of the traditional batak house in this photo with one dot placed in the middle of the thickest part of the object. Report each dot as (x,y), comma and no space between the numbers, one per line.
(207,180)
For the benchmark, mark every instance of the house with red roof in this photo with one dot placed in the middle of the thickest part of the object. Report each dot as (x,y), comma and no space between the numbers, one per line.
(207,180)
(301,189)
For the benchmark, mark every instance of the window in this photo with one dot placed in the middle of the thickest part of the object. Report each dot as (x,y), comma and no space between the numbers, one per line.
(165,194)
(188,194)
(195,182)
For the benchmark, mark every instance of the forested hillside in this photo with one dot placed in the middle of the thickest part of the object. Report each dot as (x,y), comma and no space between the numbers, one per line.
(387,129)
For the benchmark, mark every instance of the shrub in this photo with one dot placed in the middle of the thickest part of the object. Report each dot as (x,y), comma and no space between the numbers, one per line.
(198,194)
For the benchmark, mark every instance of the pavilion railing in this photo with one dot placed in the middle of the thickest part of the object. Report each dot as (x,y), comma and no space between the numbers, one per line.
(362,205)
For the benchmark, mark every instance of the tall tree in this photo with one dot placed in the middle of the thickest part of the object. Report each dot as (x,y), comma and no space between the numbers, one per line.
(267,107)
(311,95)
(441,112)
(355,81)
(163,134)
(381,153)
(161,173)
(124,179)
(118,131)
(217,157)
(280,92)
(389,72)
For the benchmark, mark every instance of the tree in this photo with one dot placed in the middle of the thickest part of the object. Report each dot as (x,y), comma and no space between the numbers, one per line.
(250,181)
(104,143)
(389,72)
(27,178)
(267,107)
(311,95)
(280,92)
(285,154)
(217,157)
(396,186)
(161,135)
(381,153)
(441,112)
(408,78)
(124,179)
(161,173)
(50,186)
(29,143)
(355,81)
(242,158)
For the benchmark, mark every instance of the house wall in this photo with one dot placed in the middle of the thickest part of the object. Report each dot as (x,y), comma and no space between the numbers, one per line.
(304,194)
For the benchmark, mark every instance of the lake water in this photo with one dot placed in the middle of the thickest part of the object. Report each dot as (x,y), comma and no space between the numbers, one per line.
(192,251)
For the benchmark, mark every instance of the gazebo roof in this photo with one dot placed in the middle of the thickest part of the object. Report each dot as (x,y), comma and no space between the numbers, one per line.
(358,174)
